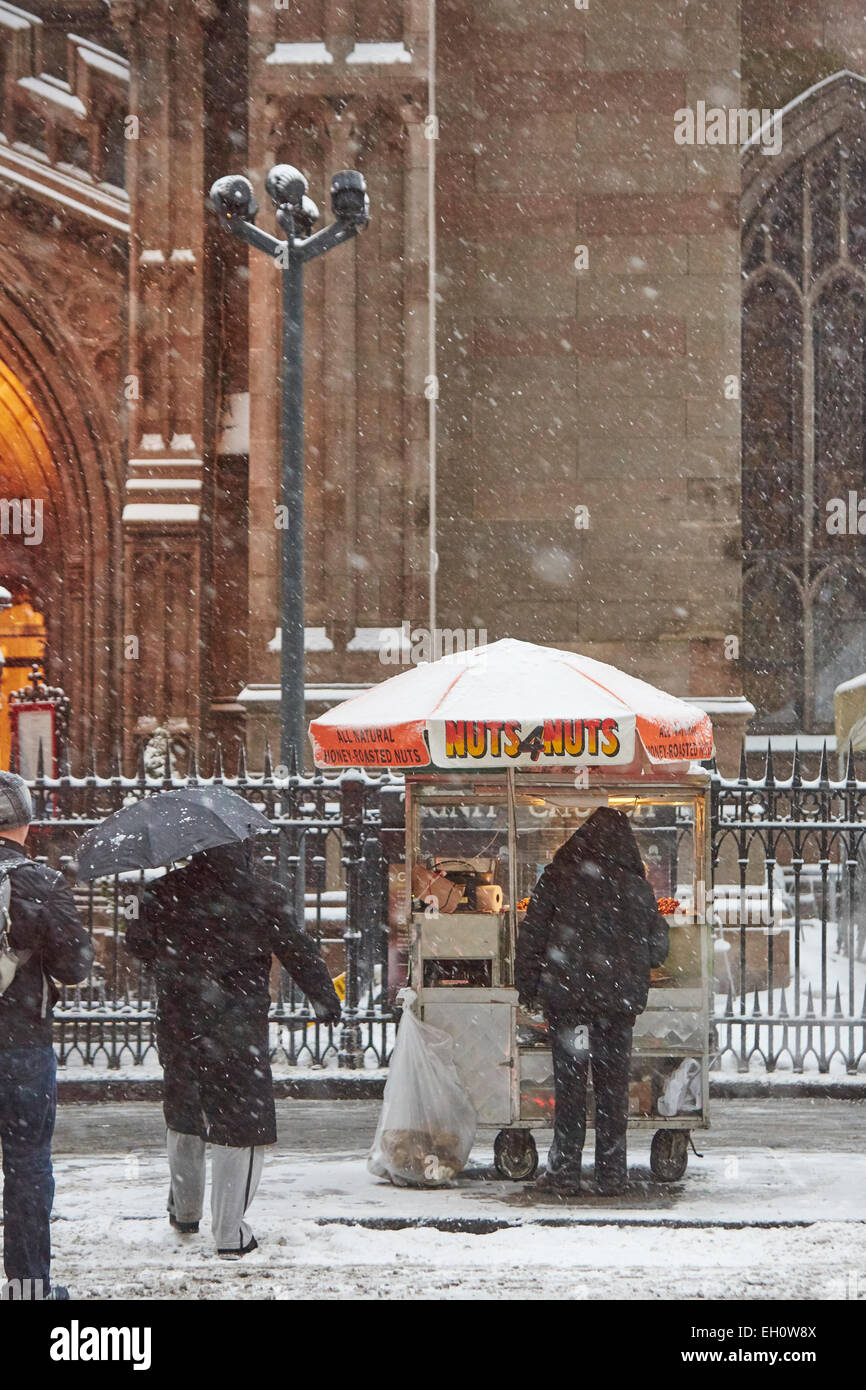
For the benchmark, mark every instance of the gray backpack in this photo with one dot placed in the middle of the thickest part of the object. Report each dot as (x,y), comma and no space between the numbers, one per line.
(10,959)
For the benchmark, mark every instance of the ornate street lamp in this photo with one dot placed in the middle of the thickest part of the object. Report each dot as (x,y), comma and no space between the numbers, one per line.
(233,201)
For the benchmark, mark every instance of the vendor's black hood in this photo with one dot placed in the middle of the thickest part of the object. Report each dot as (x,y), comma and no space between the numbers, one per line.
(605,839)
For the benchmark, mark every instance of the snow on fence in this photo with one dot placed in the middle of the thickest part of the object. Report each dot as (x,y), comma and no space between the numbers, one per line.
(788,905)
(789,912)
(326,845)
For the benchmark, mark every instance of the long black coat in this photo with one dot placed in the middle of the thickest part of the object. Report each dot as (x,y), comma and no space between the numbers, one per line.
(209,930)
(592,930)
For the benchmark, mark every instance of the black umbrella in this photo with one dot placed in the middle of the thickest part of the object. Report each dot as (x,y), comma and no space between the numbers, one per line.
(165,827)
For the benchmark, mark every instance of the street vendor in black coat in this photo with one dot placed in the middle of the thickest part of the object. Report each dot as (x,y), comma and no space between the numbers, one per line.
(587,943)
(210,930)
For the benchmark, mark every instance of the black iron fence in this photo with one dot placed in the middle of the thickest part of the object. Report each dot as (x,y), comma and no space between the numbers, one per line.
(788,903)
(327,845)
(789,912)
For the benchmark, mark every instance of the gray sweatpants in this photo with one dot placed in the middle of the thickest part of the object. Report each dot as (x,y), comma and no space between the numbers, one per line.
(234,1179)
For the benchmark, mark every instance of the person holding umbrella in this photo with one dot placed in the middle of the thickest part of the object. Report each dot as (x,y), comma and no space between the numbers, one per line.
(209,930)
(589,938)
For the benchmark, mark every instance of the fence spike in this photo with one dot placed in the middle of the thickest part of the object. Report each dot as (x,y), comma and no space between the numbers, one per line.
(823,775)
(293,763)
(837,1006)
(743,777)
(729,1005)
(193,763)
(796,779)
(810,1003)
(756,1005)
(863,1005)
(218,765)
(769,772)
(242,761)
(117,770)
(142,770)
(783,1006)
(269,771)
(850,779)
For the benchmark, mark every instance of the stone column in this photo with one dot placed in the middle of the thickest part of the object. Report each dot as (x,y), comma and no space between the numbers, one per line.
(163,491)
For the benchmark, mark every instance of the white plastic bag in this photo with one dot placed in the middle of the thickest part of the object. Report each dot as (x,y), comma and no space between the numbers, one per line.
(427,1126)
(682,1090)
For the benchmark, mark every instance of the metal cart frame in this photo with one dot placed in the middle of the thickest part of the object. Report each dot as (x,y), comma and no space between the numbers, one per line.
(489,1055)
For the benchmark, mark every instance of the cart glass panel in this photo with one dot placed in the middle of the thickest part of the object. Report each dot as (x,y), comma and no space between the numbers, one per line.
(460,884)
(670,1037)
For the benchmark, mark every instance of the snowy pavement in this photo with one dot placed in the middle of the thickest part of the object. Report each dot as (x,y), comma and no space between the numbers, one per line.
(775,1209)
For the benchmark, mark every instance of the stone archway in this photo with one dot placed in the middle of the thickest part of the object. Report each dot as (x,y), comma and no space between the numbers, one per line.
(58,446)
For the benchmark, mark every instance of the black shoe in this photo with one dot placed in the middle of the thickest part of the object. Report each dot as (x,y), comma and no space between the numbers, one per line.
(563,1170)
(252,1244)
(186,1228)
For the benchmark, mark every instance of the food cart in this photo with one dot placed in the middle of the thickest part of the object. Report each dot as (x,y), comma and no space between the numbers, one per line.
(507,749)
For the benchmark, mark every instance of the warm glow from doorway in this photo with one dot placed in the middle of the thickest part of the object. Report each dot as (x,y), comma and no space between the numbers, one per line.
(26,471)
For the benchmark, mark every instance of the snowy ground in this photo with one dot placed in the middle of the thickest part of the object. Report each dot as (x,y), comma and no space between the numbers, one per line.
(783,1170)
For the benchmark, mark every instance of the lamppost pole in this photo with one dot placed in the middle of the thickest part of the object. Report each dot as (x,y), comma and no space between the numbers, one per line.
(233,201)
(292,712)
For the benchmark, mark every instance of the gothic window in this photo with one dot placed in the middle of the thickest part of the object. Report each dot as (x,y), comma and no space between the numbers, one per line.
(804,411)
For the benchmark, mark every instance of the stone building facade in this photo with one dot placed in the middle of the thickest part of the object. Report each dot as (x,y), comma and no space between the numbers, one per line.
(540,331)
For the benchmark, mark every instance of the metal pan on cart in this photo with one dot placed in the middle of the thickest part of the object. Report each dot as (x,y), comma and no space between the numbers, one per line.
(506,750)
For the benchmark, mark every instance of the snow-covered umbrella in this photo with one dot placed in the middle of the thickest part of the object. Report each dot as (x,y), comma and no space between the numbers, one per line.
(165,827)
(510,704)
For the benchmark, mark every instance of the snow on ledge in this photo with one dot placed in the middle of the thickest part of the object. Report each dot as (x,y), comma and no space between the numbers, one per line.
(316,639)
(10,18)
(373,639)
(379,53)
(50,92)
(724,704)
(174,512)
(267,694)
(300,53)
(102,59)
(234,436)
(784,743)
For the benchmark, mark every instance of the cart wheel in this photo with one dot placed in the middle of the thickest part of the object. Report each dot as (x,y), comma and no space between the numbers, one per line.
(669,1154)
(515,1155)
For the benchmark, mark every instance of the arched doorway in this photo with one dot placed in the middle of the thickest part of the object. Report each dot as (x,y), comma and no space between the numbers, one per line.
(63,444)
(29,562)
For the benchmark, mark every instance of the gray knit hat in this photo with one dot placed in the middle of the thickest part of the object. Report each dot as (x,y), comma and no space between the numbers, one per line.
(16,808)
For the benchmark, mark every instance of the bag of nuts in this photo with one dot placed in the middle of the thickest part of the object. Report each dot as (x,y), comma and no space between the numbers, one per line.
(427,1126)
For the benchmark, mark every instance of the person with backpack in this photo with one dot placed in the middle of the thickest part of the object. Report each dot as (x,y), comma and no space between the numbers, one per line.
(210,929)
(590,936)
(41,940)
